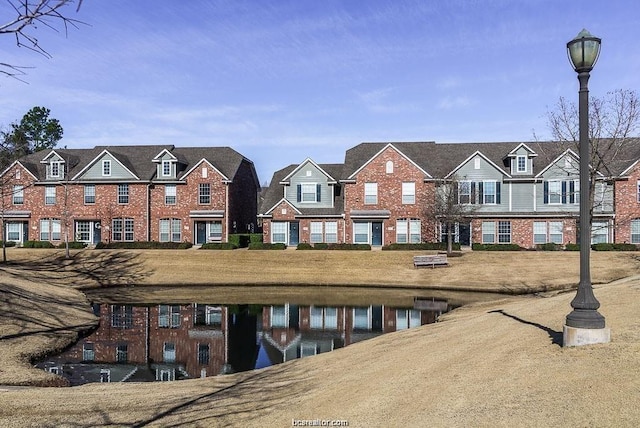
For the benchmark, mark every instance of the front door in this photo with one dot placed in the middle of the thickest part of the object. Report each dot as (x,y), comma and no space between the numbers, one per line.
(294,233)
(201,232)
(376,233)
(465,234)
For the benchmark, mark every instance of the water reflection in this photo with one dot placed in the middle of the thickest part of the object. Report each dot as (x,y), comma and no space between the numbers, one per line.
(142,343)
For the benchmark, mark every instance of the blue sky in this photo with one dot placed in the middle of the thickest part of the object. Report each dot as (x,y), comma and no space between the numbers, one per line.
(280,81)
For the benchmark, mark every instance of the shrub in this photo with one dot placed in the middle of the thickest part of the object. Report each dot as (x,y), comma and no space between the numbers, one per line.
(144,245)
(8,244)
(549,246)
(74,245)
(440,246)
(304,246)
(263,246)
(38,244)
(604,246)
(321,246)
(572,247)
(218,246)
(496,247)
(242,240)
(356,247)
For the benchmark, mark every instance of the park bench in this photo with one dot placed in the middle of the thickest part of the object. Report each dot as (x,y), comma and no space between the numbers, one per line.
(435,260)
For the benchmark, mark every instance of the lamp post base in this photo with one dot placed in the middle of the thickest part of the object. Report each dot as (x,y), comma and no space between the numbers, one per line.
(572,336)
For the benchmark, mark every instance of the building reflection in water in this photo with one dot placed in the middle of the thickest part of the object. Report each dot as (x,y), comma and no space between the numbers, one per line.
(173,342)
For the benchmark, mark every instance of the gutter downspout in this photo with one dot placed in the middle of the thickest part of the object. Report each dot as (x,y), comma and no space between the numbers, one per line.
(148,214)
(226,212)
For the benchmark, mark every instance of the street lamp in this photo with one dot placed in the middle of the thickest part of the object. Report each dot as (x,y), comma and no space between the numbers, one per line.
(584,325)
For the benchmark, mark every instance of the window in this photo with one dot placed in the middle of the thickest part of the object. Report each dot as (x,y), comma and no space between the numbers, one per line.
(521,162)
(324,317)
(169,352)
(408,231)
(83,231)
(389,167)
(464,192)
(316,232)
(203,353)
(309,192)
(121,316)
(13,231)
(170,194)
(170,230)
(408,193)
(361,319)
(105,375)
(205,172)
(215,231)
(89,194)
(204,196)
(370,193)
(88,353)
(331,232)
(555,232)
(638,191)
(599,232)
(122,352)
(308,349)
(55,169)
(208,315)
(106,168)
(488,232)
(166,168)
(279,232)
(562,192)
(476,163)
(407,318)
(123,193)
(18,195)
(18,174)
(489,192)
(539,232)
(122,229)
(50,229)
(504,232)
(49,195)
(555,192)
(169,316)
(361,233)
(279,316)
(635,231)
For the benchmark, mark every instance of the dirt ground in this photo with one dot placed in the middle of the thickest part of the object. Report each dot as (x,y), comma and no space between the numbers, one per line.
(497,363)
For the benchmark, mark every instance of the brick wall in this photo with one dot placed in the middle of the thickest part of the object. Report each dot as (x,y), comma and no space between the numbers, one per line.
(627,205)
(522,230)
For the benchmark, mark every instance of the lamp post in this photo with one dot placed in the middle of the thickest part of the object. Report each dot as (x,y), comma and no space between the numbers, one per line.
(584,325)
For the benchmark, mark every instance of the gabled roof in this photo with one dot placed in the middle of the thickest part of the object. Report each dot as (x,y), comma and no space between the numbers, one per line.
(568,152)
(17,162)
(513,153)
(160,155)
(467,160)
(286,179)
(361,155)
(200,162)
(122,160)
(283,200)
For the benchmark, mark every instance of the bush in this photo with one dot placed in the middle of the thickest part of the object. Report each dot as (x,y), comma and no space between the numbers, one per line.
(242,240)
(263,246)
(73,245)
(572,247)
(144,245)
(356,247)
(549,246)
(605,246)
(38,244)
(218,246)
(321,246)
(496,247)
(439,246)
(304,246)
(8,244)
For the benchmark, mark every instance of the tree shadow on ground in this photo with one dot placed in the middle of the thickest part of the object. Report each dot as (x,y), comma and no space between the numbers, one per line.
(556,336)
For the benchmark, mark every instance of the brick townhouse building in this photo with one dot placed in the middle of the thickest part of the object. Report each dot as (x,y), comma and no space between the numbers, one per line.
(129,193)
(522,193)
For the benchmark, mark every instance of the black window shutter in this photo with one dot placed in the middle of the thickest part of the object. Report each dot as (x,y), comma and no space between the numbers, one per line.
(572,192)
(473,192)
(546,192)
(299,192)
(497,192)
(318,192)
(564,192)
(456,192)
(480,193)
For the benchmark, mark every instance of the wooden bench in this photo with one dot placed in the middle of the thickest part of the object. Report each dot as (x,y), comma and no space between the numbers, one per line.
(435,260)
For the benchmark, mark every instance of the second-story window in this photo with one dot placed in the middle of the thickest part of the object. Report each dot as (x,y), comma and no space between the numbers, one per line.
(170,194)
(204,193)
(555,192)
(50,195)
(123,193)
(464,192)
(309,192)
(489,192)
(408,193)
(18,195)
(370,193)
(521,163)
(55,169)
(166,168)
(89,194)
(106,168)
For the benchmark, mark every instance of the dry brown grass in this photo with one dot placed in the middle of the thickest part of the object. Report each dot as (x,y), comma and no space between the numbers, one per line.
(489,364)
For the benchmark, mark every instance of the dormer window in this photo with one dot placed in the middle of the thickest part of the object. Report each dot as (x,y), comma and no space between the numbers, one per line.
(166,168)
(521,163)
(55,169)
(106,168)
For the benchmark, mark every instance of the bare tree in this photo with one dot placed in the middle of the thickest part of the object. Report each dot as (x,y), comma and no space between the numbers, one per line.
(449,206)
(12,188)
(27,16)
(614,122)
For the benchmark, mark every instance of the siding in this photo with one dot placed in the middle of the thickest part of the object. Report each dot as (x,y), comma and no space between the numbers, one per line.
(315,176)
(118,172)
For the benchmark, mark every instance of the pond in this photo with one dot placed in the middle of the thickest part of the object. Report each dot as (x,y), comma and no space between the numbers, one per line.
(138,342)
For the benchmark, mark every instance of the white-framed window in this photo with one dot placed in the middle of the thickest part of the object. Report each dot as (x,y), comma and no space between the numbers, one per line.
(599,232)
(409,193)
(370,193)
(361,233)
(205,172)
(279,232)
(539,232)
(123,193)
(50,229)
(105,375)
(489,192)
(464,192)
(362,318)
(315,232)
(635,231)
(18,174)
(88,352)
(556,232)
(280,316)
(407,318)
(638,191)
(89,194)
(122,353)
(204,193)
(166,168)
(488,232)
(476,163)
(308,349)
(331,232)
(55,169)
(122,229)
(170,230)
(215,231)
(169,316)
(170,194)
(504,232)
(408,231)
(121,316)
(555,192)
(18,194)
(389,167)
(14,231)
(169,352)
(324,317)
(49,195)
(308,192)
(106,168)
(521,163)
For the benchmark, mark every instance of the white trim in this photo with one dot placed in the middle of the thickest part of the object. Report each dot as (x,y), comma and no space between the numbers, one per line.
(352,176)
(197,164)
(513,153)
(467,160)
(285,180)
(17,162)
(99,157)
(158,157)
(279,202)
